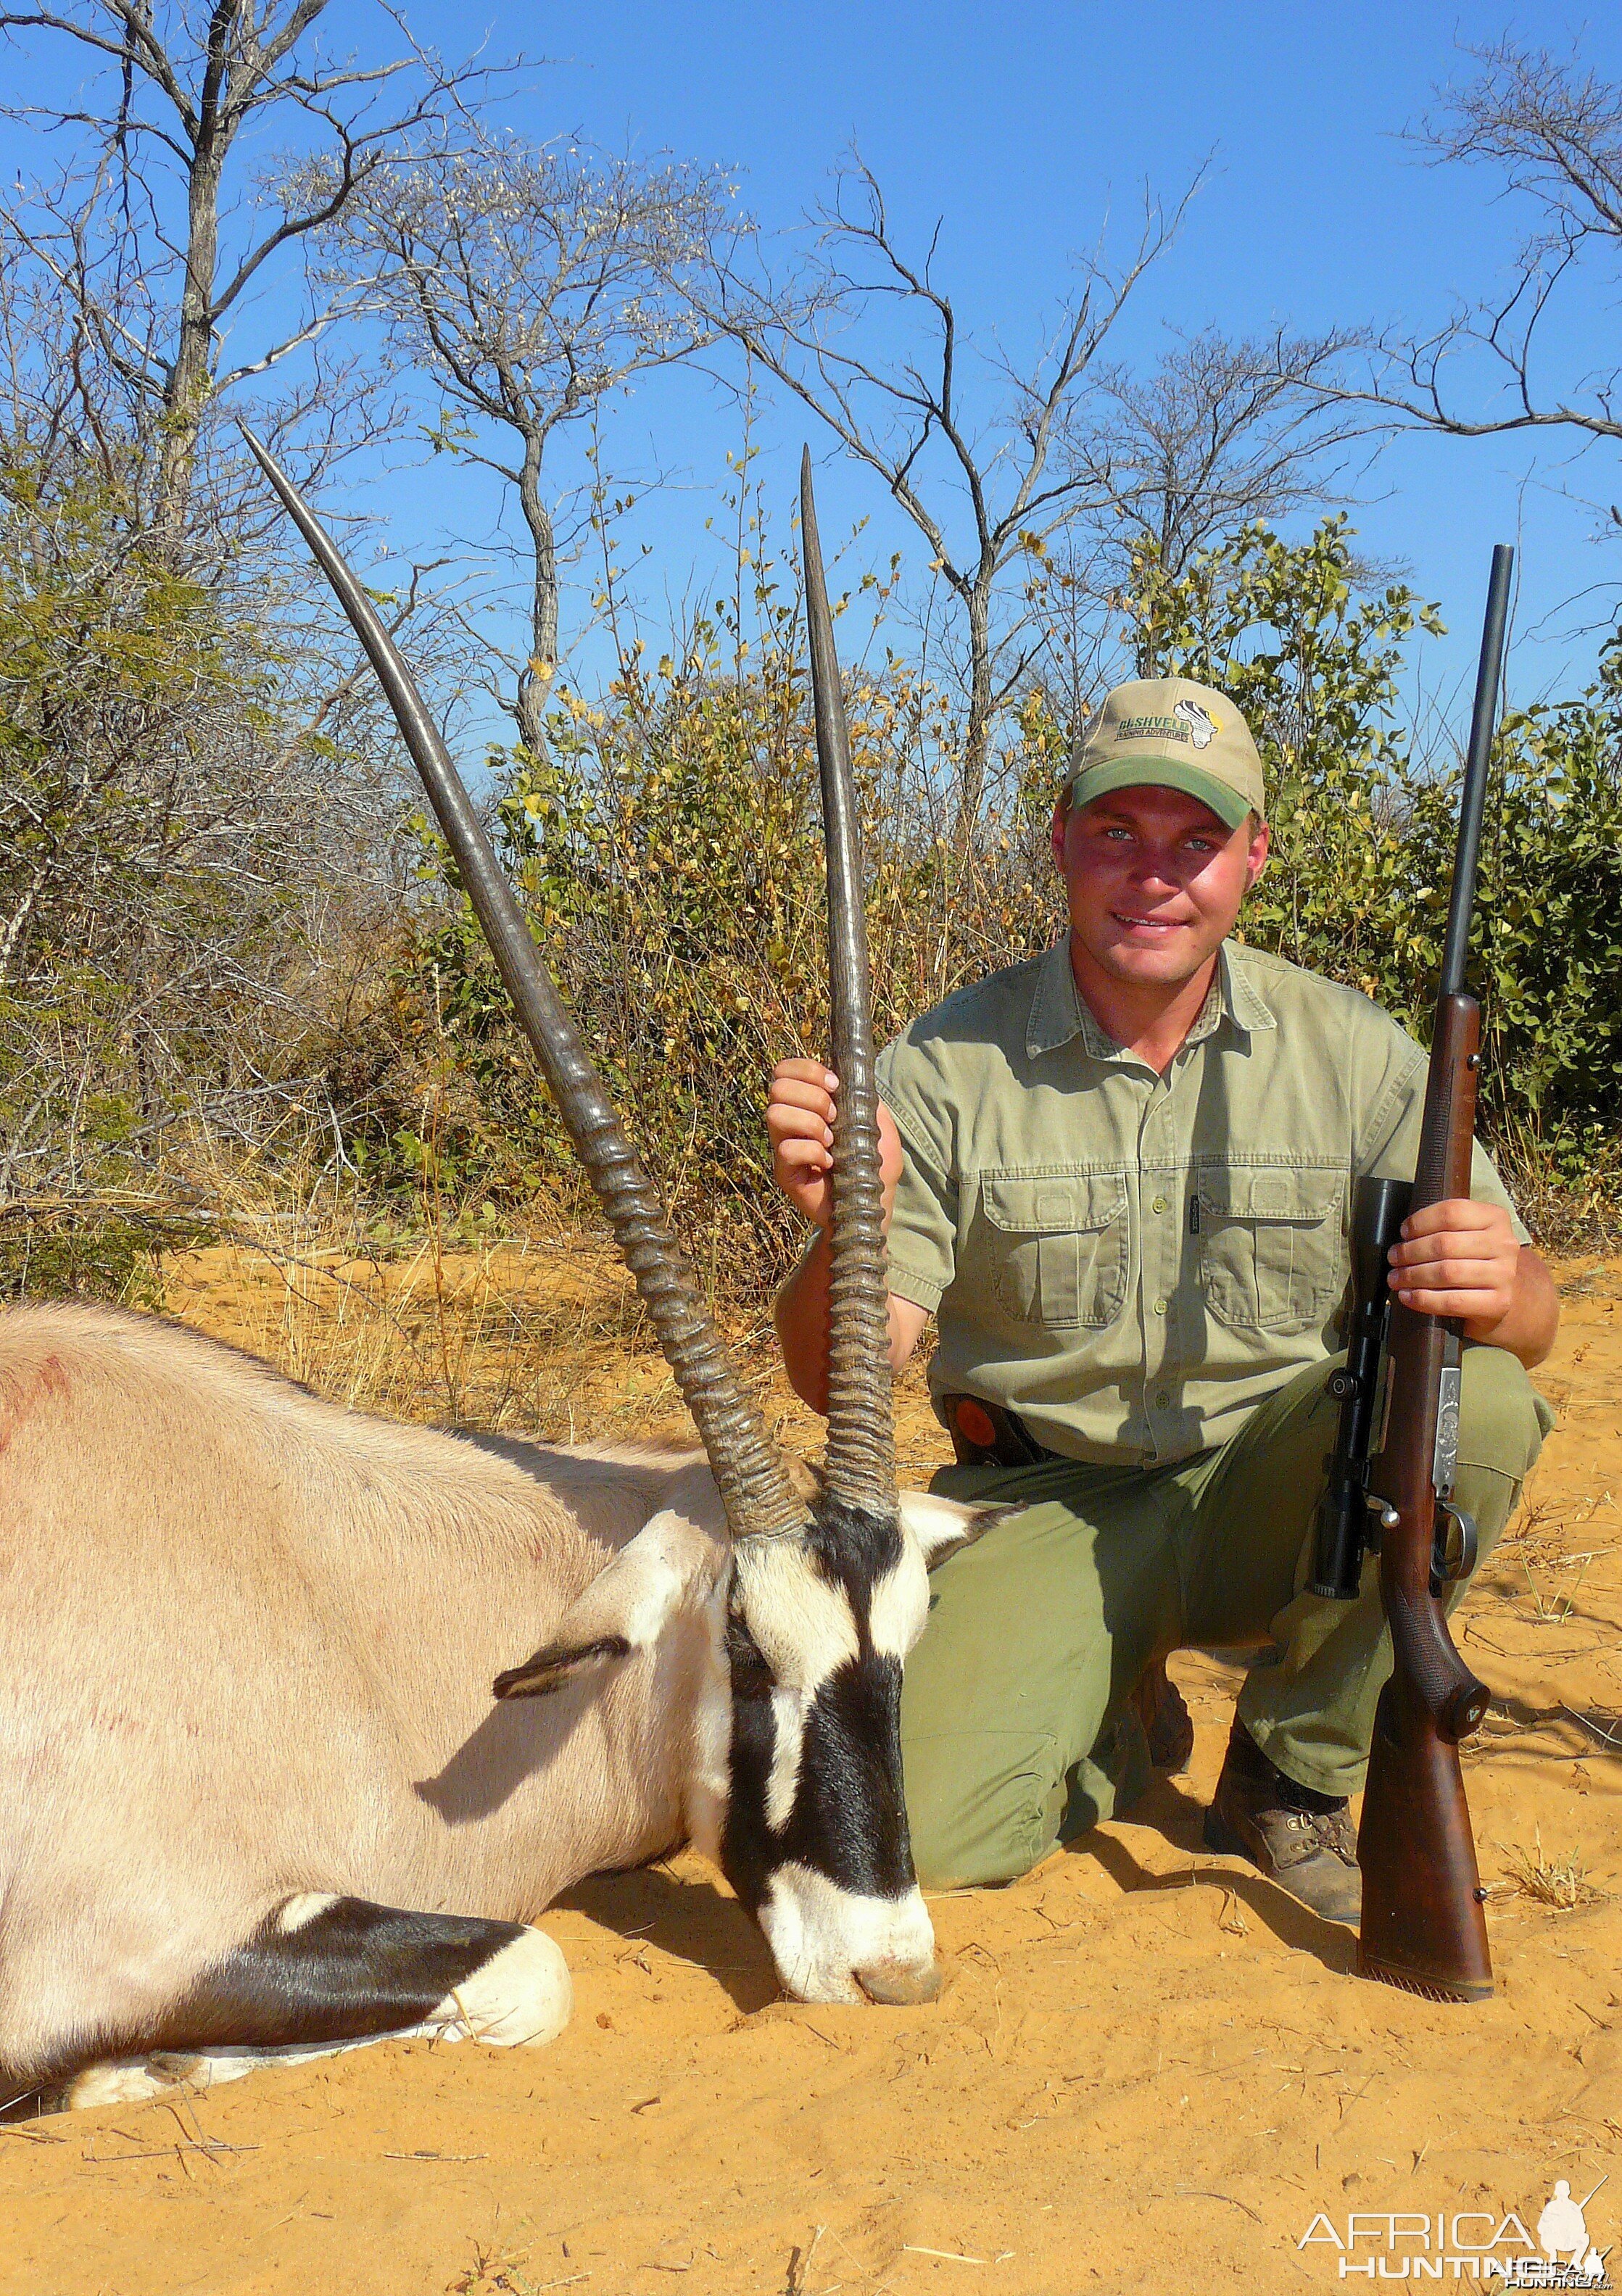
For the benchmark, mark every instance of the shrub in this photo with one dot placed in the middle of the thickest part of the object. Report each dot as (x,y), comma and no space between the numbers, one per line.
(1364,831)
(172,844)
(667,850)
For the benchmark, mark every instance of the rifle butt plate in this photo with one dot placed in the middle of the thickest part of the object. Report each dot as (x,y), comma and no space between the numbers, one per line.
(1427,1987)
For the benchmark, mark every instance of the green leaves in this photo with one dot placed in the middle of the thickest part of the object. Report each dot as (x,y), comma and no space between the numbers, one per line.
(1363,834)
(668,854)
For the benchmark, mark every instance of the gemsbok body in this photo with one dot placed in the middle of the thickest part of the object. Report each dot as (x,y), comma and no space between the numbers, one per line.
(256,1794)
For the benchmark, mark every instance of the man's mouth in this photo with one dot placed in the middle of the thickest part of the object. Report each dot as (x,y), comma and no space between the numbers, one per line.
(1131,923)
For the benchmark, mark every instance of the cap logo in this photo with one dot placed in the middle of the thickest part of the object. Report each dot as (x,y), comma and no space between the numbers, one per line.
(1202,727)
(1188,722)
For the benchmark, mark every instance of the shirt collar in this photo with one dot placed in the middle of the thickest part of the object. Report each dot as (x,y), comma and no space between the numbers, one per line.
(1058,1014)
(1243,1001)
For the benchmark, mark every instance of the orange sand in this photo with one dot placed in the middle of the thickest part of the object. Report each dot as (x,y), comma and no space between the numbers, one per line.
(1149,2070)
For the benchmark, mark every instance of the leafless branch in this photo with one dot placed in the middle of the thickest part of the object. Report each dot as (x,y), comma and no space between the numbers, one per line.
(1551,131)
(532,283)
(870,341)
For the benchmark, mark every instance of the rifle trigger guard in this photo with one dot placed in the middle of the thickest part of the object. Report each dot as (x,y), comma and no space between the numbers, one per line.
(1443,1573)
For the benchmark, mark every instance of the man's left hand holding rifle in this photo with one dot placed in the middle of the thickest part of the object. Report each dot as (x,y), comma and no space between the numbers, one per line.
(1120,1177)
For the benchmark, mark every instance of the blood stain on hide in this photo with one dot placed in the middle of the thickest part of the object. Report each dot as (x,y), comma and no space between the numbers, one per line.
(50,1380)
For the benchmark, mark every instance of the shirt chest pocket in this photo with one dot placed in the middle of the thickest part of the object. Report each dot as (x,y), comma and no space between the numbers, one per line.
(1057,1246)
(1271,1257)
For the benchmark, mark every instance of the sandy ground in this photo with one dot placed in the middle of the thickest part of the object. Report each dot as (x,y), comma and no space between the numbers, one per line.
(1149,2070)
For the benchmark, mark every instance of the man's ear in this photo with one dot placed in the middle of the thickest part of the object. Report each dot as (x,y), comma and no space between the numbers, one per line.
(625,1609)
(1261,845)
(944,1527)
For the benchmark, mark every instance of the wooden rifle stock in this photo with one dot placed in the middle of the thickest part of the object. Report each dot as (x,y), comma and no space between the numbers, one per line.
(1422,1924)
(1423,1927)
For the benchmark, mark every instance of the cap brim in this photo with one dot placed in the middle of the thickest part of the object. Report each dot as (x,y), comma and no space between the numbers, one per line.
(1228,804)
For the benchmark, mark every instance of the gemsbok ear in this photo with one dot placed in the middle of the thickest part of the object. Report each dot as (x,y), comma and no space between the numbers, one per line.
(625,1609)
(944,1527)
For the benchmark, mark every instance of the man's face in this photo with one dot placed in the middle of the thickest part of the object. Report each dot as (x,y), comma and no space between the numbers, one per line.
(1154,881)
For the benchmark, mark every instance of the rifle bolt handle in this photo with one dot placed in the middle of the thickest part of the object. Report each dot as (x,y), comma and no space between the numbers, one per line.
(1387,1513)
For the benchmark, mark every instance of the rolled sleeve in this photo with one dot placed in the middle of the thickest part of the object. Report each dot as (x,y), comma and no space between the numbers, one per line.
(923,1225)
(1391,1147)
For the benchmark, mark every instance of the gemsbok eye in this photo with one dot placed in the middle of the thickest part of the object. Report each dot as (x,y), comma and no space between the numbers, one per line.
(752,1677)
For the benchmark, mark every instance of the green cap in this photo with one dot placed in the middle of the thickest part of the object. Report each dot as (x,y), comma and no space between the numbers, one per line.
(1175,734)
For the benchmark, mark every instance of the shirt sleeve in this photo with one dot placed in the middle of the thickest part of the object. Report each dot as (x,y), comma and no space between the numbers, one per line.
(923,1225)
(1388,1147)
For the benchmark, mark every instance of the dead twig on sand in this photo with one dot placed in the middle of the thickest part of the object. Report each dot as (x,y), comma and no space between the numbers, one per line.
(1611,1738)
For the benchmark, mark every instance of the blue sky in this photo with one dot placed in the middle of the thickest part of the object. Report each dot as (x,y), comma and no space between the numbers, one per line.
(1026,131)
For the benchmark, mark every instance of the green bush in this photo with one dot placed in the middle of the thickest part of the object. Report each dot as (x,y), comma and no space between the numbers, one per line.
(668,852)
(1364,833)
(175,845)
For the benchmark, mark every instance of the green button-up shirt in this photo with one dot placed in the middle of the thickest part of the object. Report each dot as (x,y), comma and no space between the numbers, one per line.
(1132,1262)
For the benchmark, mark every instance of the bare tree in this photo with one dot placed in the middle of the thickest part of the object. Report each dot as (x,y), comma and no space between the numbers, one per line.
(532,283)
(902,410)
(1221,431)
(143,233)
(1552,133)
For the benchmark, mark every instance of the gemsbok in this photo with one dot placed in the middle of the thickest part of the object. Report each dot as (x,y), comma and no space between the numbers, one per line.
(255,1798)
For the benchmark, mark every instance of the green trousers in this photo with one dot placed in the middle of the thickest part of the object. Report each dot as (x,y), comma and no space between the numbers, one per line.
(1014,1733)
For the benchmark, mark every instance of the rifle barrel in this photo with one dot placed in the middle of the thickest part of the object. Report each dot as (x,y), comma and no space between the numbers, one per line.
(1472,801)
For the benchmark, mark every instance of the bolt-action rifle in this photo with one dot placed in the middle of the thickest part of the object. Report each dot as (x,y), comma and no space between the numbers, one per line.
(1423,1922)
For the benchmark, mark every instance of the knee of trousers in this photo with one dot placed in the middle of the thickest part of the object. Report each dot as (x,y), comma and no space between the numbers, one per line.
(1502,1421)
(982,1807)
(1503,1418)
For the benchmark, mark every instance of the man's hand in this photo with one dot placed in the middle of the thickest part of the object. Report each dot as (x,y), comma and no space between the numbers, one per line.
(799,1118)
(800,1121)
(1460,1259)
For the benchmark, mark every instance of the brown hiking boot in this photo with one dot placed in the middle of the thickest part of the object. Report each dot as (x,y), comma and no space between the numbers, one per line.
(1167,1724)
(1302,1839)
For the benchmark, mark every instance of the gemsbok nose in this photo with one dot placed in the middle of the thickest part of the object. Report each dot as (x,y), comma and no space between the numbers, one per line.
(900,1984)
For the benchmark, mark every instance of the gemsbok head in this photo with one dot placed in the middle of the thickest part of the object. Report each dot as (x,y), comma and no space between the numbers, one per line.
(815,1601)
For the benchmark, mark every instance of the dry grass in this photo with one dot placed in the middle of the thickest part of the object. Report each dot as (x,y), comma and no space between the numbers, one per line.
(539,1333)
(1540,1542)
(539,1336)
(499,2273)
(1561,1881)
(1567,1216)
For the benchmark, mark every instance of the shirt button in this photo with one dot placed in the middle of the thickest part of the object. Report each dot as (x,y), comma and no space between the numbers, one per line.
(1159,1307)
(1162,1398)
(1159,1203)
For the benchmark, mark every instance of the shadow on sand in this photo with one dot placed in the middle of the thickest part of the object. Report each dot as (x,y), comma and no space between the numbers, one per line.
(1178,1818)
(693,1921)
(690,1919)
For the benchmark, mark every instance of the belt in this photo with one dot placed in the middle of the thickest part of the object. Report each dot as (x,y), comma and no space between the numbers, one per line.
(984,1434)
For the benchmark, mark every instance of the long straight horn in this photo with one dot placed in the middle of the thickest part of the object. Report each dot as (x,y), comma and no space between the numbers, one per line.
(861,1467)
(753,1485)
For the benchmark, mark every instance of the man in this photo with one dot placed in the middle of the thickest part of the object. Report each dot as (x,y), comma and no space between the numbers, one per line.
(1119,1176)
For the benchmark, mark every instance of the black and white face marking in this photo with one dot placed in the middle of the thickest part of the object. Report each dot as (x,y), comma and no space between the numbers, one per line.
(792,1768)
(815,1838)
